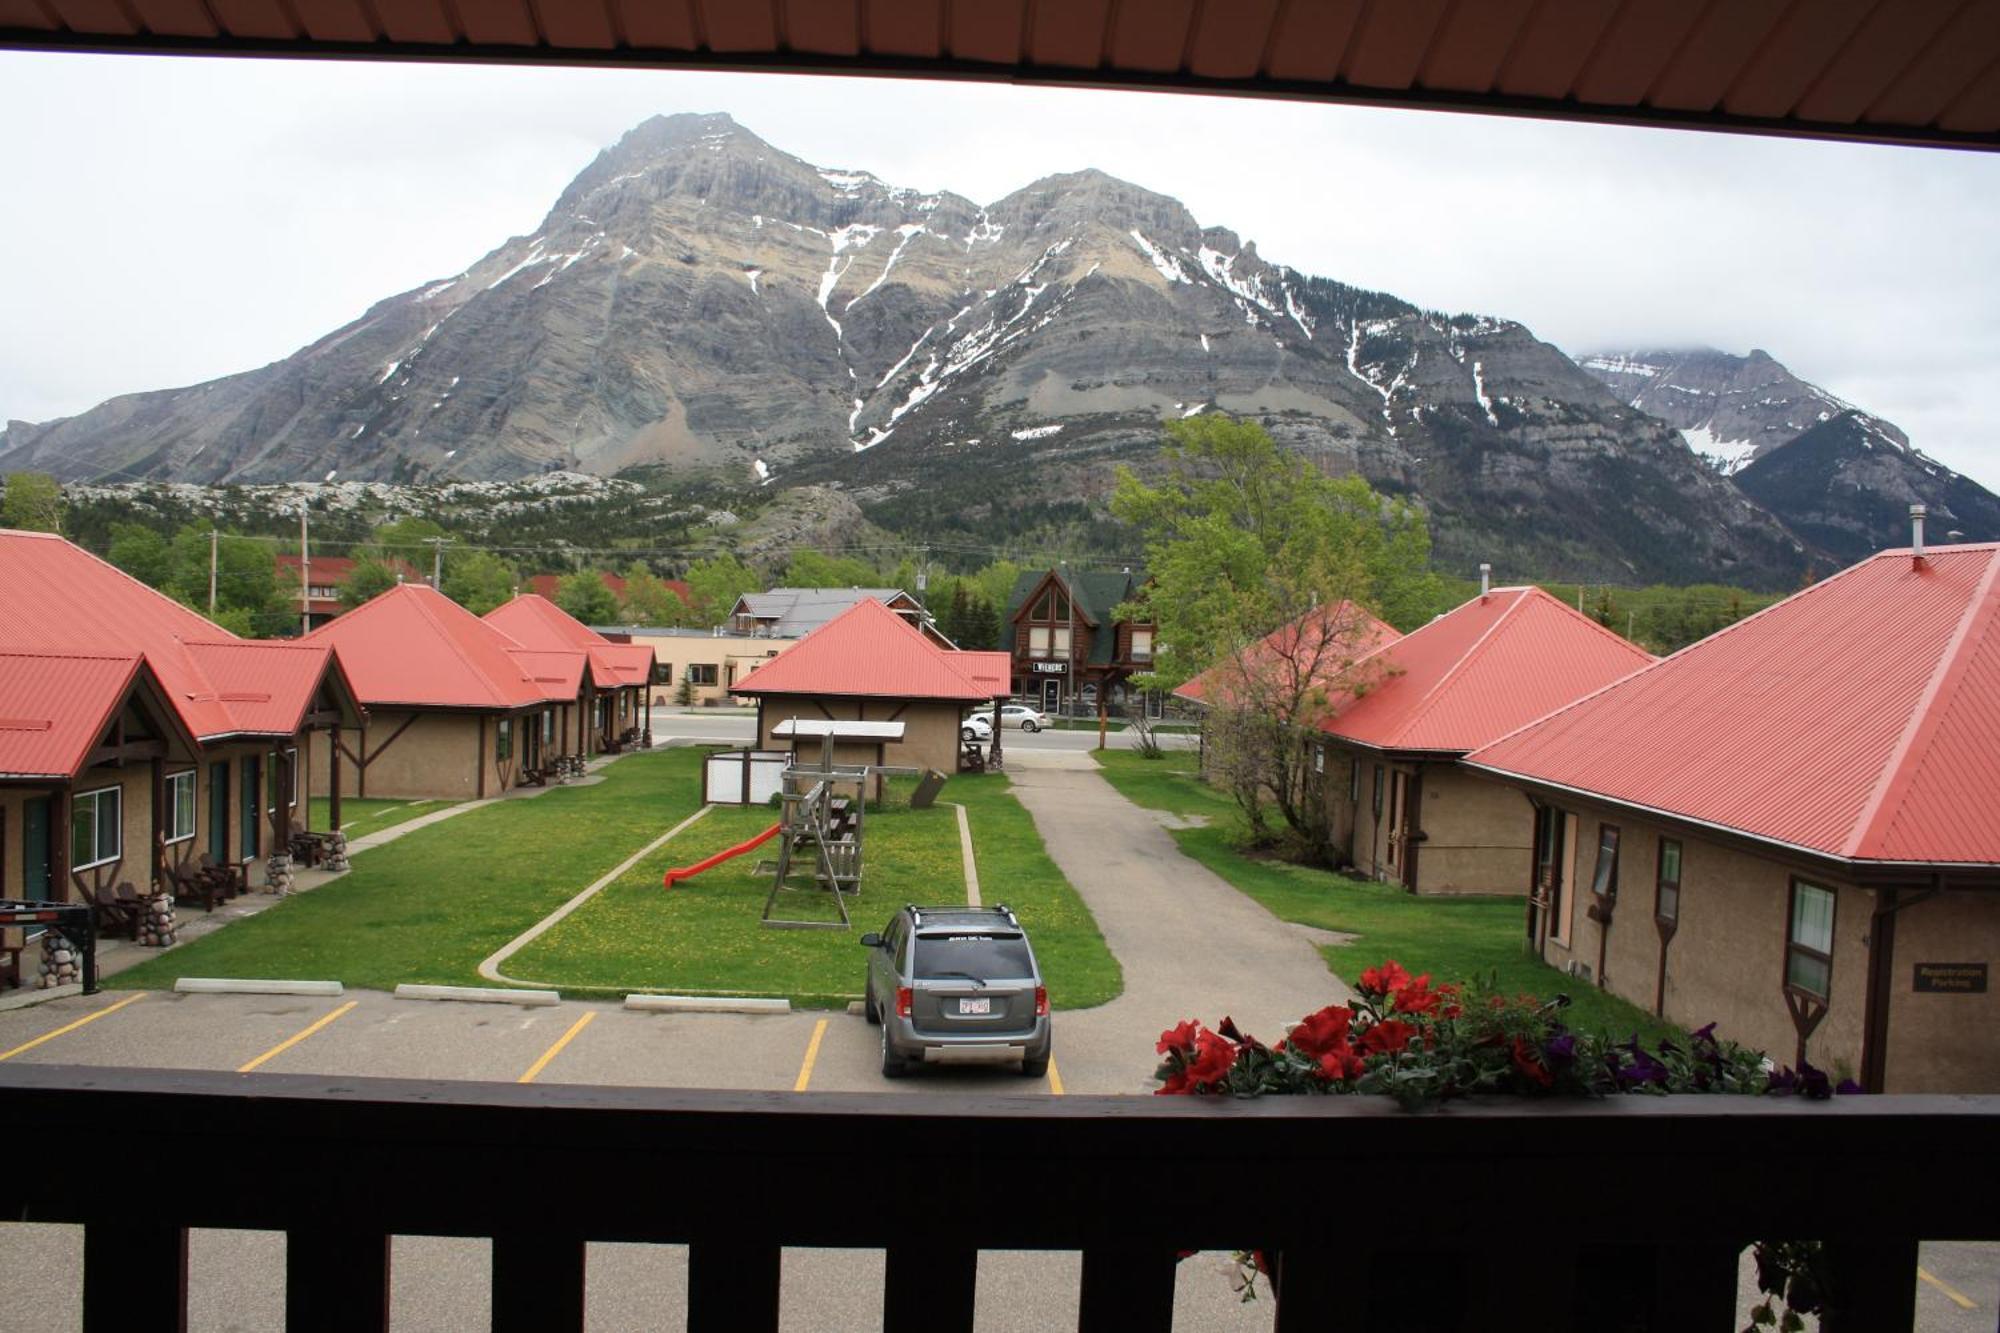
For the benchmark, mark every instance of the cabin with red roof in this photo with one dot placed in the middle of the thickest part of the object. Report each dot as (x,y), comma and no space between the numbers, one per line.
(869,664)
(1400,805)
(458,709)
(1800,816)
(619,702)
(191,742)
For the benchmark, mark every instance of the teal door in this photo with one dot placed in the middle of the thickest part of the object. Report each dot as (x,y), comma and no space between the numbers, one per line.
(35,848)
(218,811)
(252,788)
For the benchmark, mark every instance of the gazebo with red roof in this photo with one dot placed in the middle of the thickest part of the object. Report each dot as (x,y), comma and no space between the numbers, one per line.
(869,665)
(1401,806)
(1803,814)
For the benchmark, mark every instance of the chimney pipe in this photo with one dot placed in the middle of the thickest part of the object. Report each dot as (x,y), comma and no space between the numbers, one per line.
(1917,531)
(1485,580)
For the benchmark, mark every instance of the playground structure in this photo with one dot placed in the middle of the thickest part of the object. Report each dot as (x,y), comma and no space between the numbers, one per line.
(823,809)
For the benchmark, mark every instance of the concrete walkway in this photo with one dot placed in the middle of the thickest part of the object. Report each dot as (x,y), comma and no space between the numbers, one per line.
(1190,944)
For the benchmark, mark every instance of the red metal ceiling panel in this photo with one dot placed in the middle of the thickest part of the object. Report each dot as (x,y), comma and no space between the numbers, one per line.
(823,29)
(1230,40)
(335,20)
(1150,34)
(1799,47)
(906,28)
(173,18)
(1391,41)
(1634,50)
(1714,54)
(657,25)
(738,25)
(256,19)
(1553,47)
(1946,70)
(1466,53)
(1880,49)
(1068,33)
(988,30)
(583,25)
(99,16)
(1311,40)
(497,22)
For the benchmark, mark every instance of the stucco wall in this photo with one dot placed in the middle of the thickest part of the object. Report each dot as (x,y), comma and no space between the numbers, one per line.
(678,651)
(1726,963)
(1479,834)
(1941,1042)
(930,735)
(434,758)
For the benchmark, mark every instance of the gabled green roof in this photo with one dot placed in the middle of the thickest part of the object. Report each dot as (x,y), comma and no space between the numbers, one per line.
(1097,597)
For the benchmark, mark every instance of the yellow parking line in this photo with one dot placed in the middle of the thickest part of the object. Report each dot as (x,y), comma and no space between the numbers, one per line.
(1953,1294)
(812,1054)
(71,1027)
(1055,1077)
(555,1050)
(294,1040)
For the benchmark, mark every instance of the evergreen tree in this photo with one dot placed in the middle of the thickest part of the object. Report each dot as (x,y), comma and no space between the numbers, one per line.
(584,596)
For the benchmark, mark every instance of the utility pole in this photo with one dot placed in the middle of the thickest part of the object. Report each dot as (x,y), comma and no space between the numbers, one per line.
(213,537)
(305,577)
(437,545)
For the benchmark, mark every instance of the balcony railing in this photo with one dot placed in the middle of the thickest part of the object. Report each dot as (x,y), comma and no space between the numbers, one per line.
(1623,1214)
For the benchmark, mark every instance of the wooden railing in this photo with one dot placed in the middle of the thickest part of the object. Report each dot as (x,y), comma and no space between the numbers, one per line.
(1625,1214)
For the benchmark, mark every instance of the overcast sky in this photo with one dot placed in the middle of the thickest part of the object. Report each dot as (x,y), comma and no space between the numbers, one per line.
(169,221)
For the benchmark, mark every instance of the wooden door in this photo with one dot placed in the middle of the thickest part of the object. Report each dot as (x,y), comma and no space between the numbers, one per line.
(1398,799)
(247,821)
(35,849)
(218,811)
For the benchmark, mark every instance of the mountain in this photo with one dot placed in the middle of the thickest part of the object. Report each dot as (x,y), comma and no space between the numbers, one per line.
(1841,479)
(699,299)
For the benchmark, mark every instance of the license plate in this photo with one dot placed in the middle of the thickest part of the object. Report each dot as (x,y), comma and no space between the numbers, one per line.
(975,1006)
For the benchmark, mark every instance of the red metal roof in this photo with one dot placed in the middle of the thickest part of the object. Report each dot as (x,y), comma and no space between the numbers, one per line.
(54,706)
(866,650)
(1479,671)
(536,622)
(558,675)
(414,645)
(1859,718)
(60,598)
(1355,627)
(991,671)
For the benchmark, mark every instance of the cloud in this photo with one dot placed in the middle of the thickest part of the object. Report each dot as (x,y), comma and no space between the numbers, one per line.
(184,219)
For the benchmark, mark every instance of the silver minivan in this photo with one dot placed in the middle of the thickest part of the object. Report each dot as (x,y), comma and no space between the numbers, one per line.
(956,985)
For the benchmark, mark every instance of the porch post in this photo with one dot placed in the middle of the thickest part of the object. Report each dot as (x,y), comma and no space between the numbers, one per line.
(159,853)
(333,778)
(59,816)
(995,758)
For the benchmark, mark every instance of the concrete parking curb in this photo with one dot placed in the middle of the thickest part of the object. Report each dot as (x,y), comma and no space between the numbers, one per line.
(476,994)
(234,986)
(706,1004)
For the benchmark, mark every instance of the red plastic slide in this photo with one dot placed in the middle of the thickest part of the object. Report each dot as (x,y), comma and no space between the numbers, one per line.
(679,873)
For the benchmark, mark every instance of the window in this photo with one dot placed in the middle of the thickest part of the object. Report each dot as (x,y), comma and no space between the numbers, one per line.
(1604,884)
(1667,904)
(1809,941)
(1142,645)
(1038,641)
(663,673)
(1378,791)
(1319,759)
(294,767)
(178,816)
(548,725)
(1354,781)
(97,828)
(323,591)
(701,673)
(1060,640)
(503,739)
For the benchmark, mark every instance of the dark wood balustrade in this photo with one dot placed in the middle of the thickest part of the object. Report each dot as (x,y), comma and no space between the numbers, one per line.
(1624,1214)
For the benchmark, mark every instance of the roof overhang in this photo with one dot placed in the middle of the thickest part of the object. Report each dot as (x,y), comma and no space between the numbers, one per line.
(1893,73)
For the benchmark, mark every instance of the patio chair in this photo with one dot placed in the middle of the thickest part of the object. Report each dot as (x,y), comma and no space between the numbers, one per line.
(113,916)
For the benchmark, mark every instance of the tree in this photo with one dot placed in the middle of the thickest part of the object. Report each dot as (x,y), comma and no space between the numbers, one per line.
(816,569)
(370,579)
(1260,569)
(408,539)
(34,503)
(478,580)
(246,582)
(143,553)
(716,583)
(584,596)
(648,599)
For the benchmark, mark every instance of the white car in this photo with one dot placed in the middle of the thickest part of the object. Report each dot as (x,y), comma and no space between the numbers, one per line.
(977,727)
(1022,716)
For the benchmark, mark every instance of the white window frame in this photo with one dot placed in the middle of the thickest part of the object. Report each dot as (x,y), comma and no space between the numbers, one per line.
(1038,640)
(1060,640)
(292,763)
(171,817)
(97,823)
(503,739)
(1142,645)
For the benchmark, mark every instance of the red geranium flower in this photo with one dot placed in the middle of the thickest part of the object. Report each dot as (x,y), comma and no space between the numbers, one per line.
(1387,1037)
(1417,997)
(1529,1063)
(1324,1031)
(1180,1038)
(1212,1058)
(1341,1063)
(1177,1082)
(1383,980)
(1451,1008)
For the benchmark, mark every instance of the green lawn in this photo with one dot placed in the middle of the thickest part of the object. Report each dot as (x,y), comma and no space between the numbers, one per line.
(419,909)
(1452,938)
(362,815)
(705,936)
